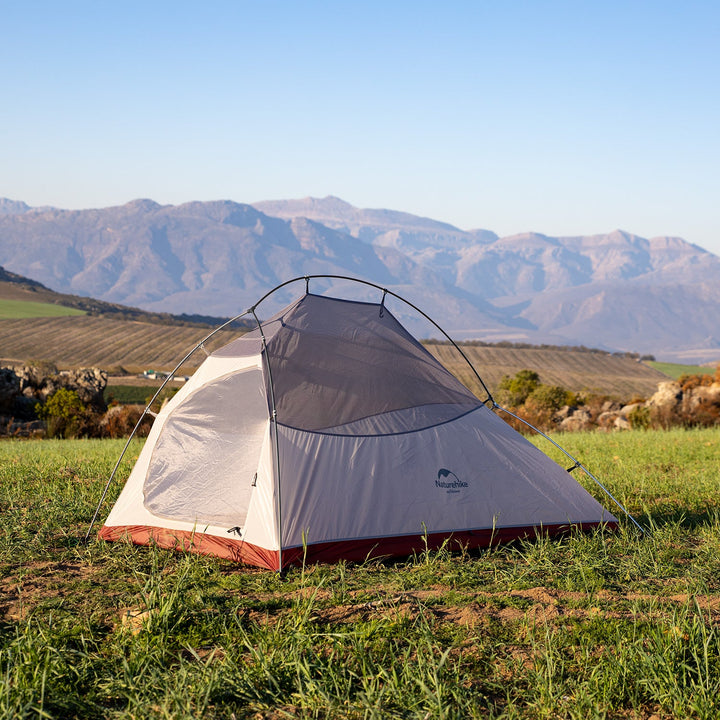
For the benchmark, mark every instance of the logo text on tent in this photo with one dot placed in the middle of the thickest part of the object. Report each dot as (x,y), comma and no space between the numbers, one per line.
(449,481)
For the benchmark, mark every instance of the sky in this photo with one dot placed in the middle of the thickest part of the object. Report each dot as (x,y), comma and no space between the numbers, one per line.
(566,118)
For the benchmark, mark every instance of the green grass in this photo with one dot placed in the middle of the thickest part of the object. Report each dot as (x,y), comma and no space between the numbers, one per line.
(605,625)
(19,309)
(675,370)
(136,394)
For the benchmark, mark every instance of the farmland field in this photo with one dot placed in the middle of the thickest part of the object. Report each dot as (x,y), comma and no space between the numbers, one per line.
(577,371)
(105,342)
(18,309)
(605,625)
(136,394)
(675,370)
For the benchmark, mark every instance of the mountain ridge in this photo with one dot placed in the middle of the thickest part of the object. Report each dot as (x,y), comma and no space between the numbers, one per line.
(616,290)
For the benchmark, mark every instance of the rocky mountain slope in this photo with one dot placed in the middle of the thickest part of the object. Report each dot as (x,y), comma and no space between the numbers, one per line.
(617,291)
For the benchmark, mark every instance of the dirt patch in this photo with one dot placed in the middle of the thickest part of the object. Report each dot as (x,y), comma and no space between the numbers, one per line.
(23,589)
(34,583)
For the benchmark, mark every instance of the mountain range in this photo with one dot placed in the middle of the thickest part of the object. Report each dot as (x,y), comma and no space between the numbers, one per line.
(616,291)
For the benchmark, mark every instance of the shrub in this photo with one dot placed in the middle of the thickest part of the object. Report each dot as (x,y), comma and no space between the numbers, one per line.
(64,414)
(639,418)
(120,420)
(549,397)
(514,391)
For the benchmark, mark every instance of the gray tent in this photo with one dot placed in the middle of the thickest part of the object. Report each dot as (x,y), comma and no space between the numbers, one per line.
(330,432)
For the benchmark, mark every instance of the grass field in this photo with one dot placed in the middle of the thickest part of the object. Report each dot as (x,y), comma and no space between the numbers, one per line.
(607,625)
(20,309)
(675,370)
(137,394)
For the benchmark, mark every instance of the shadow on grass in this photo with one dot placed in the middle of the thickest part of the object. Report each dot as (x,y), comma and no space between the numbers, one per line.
(690,519)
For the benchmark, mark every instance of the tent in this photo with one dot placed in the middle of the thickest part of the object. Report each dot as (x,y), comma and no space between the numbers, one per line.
(330,432)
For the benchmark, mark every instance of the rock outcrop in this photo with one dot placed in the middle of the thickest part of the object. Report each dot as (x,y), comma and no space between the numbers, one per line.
(21,389)
(39,383)
(671,405)
(9,389)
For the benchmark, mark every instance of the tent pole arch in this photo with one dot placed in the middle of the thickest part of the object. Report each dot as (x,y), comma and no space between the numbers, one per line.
(385,291)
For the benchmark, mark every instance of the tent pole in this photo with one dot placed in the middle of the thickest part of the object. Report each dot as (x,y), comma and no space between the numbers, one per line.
(273,418)
(307,279)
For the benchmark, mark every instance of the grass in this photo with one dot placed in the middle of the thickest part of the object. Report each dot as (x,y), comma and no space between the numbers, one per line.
(137,394)
(20,309)
(605,625)
(675,370)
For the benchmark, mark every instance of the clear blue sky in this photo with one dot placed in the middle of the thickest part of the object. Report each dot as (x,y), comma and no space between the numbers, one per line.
(559,117)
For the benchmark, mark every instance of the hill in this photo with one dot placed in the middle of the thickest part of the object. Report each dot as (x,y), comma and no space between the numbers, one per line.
(617,291)
(28,296)
(101,342)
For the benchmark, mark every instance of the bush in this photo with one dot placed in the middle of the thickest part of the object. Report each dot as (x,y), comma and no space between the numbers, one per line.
(549,397)
(120,420)
(639,418)
(65,415)
(514,391)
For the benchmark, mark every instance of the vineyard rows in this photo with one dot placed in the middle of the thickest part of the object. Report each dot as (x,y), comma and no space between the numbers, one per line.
(577,371)
(101,342)
(96,341)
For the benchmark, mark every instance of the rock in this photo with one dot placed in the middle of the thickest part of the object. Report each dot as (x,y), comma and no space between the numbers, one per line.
(702,396)
(610,406)
(667,397)
(9,389)
(33,381)
(39,383)
(622,423)
(579,420)
(606,420)
(627,409)
(89,383)
(564,412)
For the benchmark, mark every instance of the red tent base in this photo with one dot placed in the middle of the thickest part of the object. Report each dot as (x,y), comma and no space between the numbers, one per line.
(349,550)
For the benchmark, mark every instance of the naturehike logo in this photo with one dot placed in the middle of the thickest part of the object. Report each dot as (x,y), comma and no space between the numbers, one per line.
(449,481)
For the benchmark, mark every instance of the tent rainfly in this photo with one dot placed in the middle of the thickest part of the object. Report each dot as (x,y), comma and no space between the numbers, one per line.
(329,432)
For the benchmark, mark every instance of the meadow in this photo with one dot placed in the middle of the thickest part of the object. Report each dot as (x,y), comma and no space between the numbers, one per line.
(677,370)
(604,625)
(20,309)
